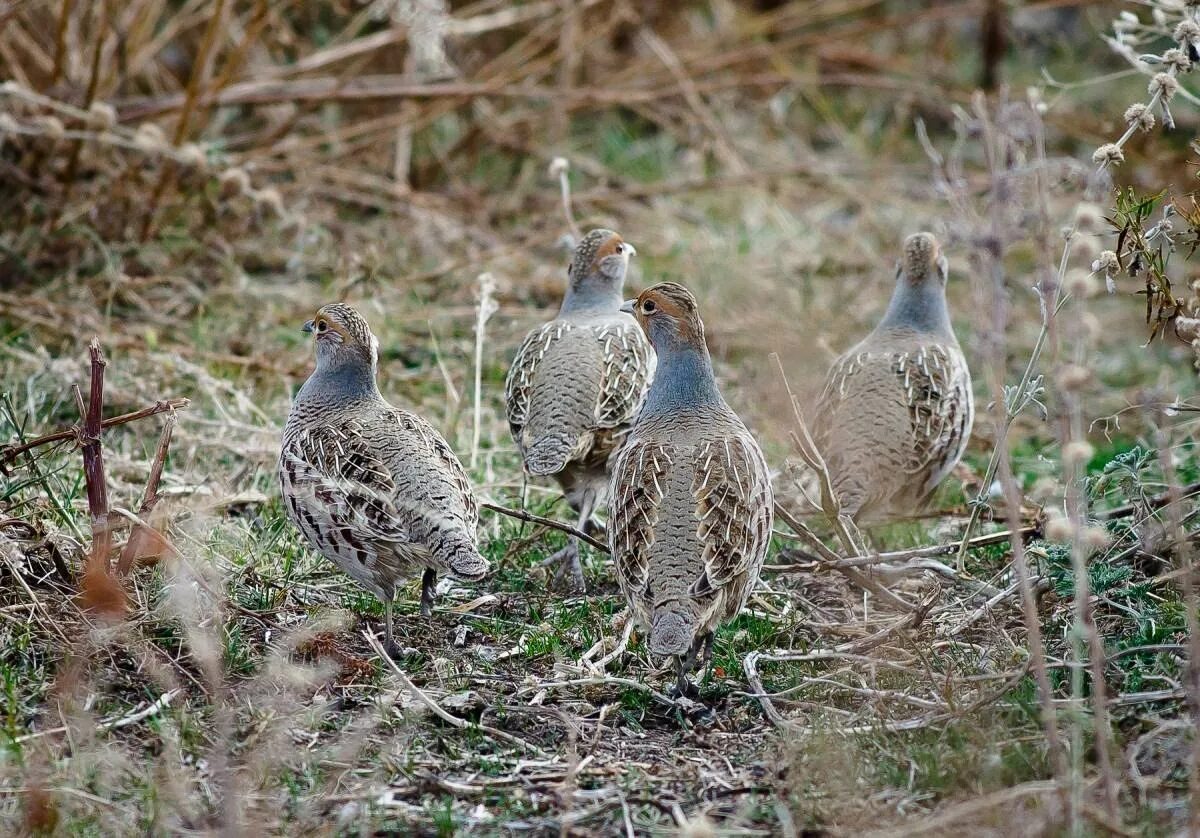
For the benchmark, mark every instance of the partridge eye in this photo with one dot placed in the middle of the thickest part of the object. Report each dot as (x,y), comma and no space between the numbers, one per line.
(648,307)
(620,249)
(322,326)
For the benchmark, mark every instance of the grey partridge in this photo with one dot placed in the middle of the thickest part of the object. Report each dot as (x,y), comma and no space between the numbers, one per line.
(577,381)
(375,489)
(896,411)
(691,502)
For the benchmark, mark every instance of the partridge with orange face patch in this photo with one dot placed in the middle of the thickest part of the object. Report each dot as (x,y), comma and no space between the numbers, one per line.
(373,488)
(576,383)
(691,501)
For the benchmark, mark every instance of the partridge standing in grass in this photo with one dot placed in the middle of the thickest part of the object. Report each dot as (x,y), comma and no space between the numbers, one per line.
(896,411)
(691,503)
(577,382)
(374,488)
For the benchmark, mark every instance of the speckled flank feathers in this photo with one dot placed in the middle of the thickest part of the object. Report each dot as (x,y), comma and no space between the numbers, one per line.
(691,500)
(577,381)
(896,412)
(374,488)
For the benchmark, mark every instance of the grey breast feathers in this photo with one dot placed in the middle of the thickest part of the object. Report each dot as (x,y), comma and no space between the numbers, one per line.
(730,513)
(572,381)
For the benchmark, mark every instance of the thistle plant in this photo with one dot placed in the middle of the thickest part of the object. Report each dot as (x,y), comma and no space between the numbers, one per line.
(1152,228)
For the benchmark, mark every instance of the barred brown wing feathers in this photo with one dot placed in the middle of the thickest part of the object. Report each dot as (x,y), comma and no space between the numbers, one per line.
(341,498)
(628,367)
(940,403)
(734,508)
(518,385)
(638,487)
(444,465)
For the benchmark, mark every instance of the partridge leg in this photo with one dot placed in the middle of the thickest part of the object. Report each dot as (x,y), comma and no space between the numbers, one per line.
(389,643)
(566,561)
(428,583)
(686,664)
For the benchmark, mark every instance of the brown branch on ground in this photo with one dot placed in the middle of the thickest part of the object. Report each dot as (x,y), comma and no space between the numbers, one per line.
(8,453)
(530,518)
(924,552)
(830,559)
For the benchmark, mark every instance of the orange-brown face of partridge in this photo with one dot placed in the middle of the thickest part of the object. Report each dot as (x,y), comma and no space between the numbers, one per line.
(669,314)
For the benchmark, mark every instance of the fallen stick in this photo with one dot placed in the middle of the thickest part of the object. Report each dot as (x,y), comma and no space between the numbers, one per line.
(828,558)
(437,709)
(530,518)
(921,552)
(8,453)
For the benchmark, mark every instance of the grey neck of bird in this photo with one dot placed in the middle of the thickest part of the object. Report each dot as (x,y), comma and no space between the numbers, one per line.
(920,307)
(339,383)
(683,379)
(592,293)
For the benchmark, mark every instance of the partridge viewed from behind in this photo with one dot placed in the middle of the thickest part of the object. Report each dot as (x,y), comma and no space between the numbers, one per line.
(577,381)
(691,504)
(896,411)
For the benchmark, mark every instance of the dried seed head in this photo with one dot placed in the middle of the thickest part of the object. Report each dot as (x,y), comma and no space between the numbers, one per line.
(192,155)
(1187,328)
(1139,115)
(1095,537)
(1086,248)
(1073,377)
(149,137)
(1165,85)
(1176,58)
(268,201)
(234,183)
(1045,489)
(51,126)
(1080,283)
(1107,262)
(102,115)
(1058,528)
(1186,32)
(1077,452)
(1108,154)
(1088,217)
(559,165)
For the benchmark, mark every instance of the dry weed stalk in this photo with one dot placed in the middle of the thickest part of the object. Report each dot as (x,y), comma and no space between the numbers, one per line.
(486,307)
(1190,587)
(990,233)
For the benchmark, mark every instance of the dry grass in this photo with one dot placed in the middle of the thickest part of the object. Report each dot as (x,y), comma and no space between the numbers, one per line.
(188,182)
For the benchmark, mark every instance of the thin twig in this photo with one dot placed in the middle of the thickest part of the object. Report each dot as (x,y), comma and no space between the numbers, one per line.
(437,709)
(8,453)
(530,518)
(829,559)
(129,554)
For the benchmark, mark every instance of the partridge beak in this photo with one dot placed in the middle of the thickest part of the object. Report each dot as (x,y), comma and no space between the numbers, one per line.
(627,306)
(632,249)
(307,327)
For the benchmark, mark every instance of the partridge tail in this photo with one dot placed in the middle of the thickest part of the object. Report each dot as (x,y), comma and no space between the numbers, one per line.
(671,633)
(458,554)
(549,454)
